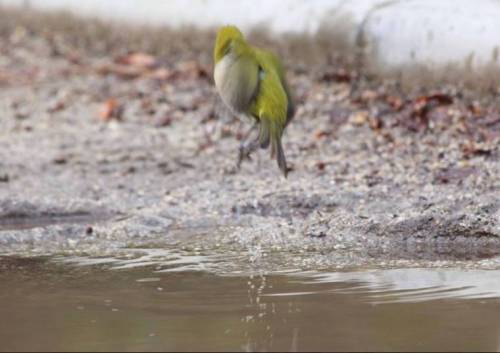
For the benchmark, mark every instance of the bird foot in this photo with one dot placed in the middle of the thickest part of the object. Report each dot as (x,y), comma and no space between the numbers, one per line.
(244,153)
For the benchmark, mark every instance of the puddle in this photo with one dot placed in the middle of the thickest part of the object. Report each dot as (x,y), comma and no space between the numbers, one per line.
(152,299)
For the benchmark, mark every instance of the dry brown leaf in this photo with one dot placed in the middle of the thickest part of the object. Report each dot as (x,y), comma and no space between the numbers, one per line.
(319,134)
(162,74)
(124,72)
(141,60)
(110,110)
(359,118)
(321,165)
(375,122)
(395,102)
(472,149)
(475,109)
(193,70)
(338,75)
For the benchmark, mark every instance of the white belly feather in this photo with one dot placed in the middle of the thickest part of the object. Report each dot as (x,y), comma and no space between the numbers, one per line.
(235,82)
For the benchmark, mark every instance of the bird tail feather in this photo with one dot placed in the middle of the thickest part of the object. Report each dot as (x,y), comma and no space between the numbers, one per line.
(277,150)
(270,135)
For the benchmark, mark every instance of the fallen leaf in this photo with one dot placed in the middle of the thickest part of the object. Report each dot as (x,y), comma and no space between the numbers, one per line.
(421,107)
(474,149)
(321,133)
(321,166)
(161,74)
(110,110)
(124,72)
(141,60)
(359,118)
(339,75)
(192,70)
(394,102)
(375,122)
(475,109)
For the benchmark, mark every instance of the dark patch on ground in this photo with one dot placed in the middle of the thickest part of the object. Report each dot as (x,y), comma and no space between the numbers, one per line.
(19,221)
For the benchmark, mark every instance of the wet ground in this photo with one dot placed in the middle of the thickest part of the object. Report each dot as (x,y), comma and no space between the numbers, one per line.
(112,137)
(174,304)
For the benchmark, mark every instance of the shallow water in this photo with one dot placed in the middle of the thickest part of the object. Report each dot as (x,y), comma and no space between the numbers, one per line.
(138,303)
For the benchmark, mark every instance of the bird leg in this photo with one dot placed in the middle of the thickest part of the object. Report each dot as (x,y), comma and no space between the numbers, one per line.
(248,145)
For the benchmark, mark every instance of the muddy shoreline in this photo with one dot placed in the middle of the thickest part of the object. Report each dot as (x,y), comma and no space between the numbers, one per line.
(380,177)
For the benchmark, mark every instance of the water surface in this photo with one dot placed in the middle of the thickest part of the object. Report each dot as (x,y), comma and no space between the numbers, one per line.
(77,304)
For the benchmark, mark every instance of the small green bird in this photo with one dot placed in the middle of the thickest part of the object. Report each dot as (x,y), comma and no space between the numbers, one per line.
(251,81)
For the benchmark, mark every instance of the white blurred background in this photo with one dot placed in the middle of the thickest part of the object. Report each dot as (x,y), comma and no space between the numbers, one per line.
(409,32)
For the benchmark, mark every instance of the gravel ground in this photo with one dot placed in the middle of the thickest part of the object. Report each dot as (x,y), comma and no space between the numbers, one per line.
(103,148)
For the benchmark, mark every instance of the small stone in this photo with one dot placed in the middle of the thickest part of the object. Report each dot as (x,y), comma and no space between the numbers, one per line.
(60,160)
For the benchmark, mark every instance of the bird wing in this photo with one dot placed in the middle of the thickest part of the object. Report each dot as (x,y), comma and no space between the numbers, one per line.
(270,107)
(280,70)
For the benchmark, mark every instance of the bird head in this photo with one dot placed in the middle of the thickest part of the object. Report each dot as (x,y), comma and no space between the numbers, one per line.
(225,37)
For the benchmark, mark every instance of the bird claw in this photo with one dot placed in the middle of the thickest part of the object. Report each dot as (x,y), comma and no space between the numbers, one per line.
(243,154)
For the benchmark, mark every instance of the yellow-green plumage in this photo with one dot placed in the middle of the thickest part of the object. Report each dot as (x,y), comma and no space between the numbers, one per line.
(252,81)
